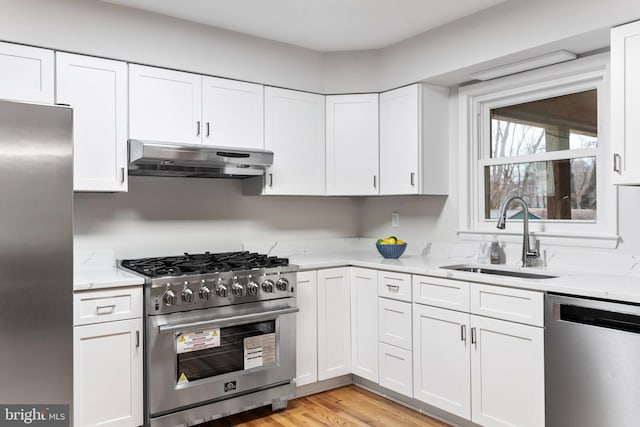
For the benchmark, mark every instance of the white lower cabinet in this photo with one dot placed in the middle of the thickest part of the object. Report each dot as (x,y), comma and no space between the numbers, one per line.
(507,373)
(307,329)
(334,323)
(107,358)
(395,369)
(487,370)
(441,351)
(364,323)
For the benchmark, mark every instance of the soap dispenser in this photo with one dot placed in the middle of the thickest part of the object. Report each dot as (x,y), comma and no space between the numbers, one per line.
(495,251)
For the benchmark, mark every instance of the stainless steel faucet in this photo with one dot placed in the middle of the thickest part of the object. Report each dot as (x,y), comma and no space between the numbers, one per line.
(528,254)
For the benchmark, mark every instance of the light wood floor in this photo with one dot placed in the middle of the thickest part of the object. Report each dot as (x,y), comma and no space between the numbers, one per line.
(345,406)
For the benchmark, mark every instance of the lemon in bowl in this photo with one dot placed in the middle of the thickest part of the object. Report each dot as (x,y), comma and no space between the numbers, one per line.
(391,247)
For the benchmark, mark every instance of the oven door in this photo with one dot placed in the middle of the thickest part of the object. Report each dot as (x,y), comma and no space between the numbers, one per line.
(203,356)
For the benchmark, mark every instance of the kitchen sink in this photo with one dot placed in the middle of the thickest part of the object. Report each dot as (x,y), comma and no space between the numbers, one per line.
(493,271)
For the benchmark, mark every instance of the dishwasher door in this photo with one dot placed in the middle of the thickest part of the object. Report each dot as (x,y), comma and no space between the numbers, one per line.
(592,363)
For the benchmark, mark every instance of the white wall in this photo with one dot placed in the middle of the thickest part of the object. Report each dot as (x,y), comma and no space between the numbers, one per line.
(504,32)
(161,216)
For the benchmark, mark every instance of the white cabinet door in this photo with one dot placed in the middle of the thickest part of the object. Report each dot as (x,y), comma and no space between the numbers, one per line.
(414,130)
(625,103)
(107,383)
(294,131)
(352,144)
(364,323)
(26,73)
(507,362)
(400,138)
(334,323)
(394,323)
(232,113)
(96,89)
(306,329)
(164,105)
(441,370)
(395,369)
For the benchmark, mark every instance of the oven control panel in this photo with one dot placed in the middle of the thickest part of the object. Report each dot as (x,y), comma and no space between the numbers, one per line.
(205,291)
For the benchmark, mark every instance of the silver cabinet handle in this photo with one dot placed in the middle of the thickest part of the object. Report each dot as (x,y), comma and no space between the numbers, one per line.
(413,175)
(105,309)
(473,336)
(617,161)
(208,130)
(375,185)
(198,128)
(463,332)
(137,339)
(121,175)
(393,287)
(270,180)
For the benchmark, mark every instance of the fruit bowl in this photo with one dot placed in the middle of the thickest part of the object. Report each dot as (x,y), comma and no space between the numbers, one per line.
(391,250)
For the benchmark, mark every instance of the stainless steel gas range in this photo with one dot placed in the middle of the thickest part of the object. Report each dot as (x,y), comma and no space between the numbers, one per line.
(219,335)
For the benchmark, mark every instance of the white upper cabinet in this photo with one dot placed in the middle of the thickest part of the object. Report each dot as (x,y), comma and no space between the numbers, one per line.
(232,113)
(414,147)
(96,89)
(164,105)
(352,144)
(625,103)
(294,131)
(26,73)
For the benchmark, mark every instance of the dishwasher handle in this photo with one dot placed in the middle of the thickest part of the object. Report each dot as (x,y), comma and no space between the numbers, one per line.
(597,317)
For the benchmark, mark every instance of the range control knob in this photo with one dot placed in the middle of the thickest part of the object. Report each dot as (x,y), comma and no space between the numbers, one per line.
(205,293)
(221,290)
(267,286)
(187,295)
(237,289)
(282,284)
(170,297)
(252,288)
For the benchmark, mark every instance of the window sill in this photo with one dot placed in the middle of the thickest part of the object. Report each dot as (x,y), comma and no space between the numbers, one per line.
(582,240)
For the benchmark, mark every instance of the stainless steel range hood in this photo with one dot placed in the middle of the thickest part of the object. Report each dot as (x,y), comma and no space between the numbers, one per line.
(198,161)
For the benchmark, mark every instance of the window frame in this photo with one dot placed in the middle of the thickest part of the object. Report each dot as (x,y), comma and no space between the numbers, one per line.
(475,103)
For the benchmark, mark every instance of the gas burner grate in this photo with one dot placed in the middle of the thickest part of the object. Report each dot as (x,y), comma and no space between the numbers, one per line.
(191,264)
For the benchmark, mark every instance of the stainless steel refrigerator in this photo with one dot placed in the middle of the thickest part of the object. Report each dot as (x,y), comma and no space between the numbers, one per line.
(36,262)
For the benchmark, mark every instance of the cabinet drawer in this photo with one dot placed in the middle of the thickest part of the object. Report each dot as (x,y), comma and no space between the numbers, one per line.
(451,294)
(107,305)
(396,369)
(516,305)
(394,323)
(394,285)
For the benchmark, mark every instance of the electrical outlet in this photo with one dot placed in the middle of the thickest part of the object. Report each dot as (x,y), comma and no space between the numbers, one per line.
(395,219)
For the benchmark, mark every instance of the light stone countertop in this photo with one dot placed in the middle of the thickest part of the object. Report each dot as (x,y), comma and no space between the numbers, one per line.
(96,270)
(613,287)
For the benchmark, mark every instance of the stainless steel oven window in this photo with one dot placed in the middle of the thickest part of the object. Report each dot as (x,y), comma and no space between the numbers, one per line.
(217,351)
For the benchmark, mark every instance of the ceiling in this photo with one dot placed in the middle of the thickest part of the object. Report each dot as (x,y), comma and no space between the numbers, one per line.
(326,25)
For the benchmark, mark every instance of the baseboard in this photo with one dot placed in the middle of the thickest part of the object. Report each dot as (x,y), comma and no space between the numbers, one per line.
(325,385)
(412,403)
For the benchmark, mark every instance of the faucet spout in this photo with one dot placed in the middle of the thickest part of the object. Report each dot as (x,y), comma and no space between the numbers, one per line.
(528,254)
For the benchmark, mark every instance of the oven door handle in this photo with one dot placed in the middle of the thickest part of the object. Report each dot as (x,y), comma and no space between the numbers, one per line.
(255,317)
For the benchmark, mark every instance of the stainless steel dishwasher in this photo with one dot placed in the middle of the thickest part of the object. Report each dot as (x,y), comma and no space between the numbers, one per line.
(592,363)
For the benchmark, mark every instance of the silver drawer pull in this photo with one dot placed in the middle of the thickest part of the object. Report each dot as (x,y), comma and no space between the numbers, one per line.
(105,309)
(393,287)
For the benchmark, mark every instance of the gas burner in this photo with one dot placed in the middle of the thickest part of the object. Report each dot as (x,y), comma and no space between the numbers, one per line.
(193,264)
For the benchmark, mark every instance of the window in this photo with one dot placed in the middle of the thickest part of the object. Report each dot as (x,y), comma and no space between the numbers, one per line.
(540,135)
